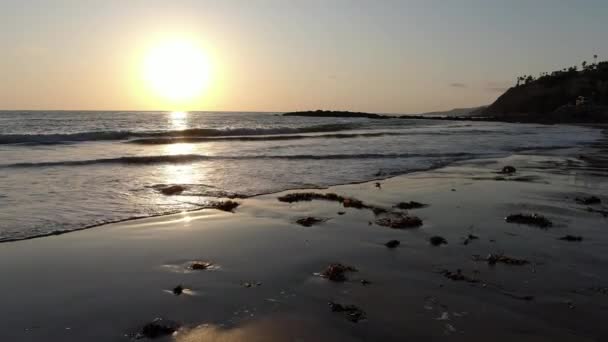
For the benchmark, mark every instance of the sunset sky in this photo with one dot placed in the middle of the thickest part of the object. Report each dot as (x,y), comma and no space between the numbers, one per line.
(377,56)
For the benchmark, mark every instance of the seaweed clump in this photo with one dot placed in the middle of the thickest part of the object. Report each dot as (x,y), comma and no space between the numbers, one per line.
(352,312)
(529,219)
(410,205)
(228,206)
(399,221)
(571,238)
(588,200)
(493,259)
(458,276)
(337,272)
(172,190)
(347,202)
(309,221)
(438,240)
(157,328)
(392,243)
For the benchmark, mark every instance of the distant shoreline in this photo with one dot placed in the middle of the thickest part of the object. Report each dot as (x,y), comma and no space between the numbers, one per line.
(515,118)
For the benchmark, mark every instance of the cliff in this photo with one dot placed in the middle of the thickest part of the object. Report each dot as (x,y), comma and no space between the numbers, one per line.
(568,95)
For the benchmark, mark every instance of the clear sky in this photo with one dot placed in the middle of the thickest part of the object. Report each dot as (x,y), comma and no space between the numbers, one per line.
(379,56)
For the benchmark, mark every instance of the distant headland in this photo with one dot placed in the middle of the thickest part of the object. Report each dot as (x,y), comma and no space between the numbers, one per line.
(569,95)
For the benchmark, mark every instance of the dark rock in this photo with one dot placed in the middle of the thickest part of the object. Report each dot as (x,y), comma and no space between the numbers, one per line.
(508,169)
(437,240)
(158,328)
(337,272)
(341,212)
(309,221)
(399,221)
(352,312)
(178,290)
(392,243)
(533,219)
(589,200)
(571,238)
(410,205)
(172,190)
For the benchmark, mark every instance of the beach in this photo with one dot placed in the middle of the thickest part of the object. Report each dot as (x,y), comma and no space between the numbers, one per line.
(265,281)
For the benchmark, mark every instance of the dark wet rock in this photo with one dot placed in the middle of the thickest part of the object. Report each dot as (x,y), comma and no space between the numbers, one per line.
(158,328)
(172,190)
(392,243)
(529,219)
(224,205)
(458,276)
(378,185)
(571,238)
(588,200)
(352,312)
(399,221)
(341,212)
(200,265)
(493,259)
(438,240)
(337,272)
(410,205)
(470,238)
(508,169)
(309,221)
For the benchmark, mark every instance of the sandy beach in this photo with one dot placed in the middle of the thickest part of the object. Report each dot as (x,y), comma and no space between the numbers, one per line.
(106,283)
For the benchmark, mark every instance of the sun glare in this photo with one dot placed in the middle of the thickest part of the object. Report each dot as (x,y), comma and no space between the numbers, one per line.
(177,71)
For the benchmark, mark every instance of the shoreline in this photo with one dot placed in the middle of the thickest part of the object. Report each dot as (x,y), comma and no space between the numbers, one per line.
(109,282)
(379,178)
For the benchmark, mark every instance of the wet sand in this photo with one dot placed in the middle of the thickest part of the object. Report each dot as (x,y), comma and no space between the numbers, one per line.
(104,284)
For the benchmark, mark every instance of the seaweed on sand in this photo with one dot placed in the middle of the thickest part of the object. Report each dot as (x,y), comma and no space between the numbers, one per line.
(529,219)
(351,312)
(337,272)
(399,221)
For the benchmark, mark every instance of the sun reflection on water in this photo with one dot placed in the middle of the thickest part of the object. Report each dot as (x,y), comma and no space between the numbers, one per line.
(178,120)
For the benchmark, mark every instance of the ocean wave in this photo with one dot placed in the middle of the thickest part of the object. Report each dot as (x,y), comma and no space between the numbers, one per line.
(189,158)
(169,140)
(47,139)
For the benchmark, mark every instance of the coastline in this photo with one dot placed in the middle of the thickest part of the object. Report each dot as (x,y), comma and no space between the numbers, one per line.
(109,282)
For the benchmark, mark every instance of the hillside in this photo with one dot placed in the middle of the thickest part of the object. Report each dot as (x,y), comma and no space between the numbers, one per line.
(567,95)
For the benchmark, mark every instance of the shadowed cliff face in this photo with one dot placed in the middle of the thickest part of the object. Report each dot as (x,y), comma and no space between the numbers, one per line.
(554,97)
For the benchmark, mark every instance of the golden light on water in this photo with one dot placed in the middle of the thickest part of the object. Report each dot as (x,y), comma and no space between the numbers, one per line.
(177,71)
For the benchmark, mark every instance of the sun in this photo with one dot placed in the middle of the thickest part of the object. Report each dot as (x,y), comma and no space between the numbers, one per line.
(178,71)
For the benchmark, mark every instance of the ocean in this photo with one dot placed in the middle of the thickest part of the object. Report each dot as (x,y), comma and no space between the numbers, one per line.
(68,170)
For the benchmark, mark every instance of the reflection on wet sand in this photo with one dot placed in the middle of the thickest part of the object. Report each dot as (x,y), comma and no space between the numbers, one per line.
(270,329)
